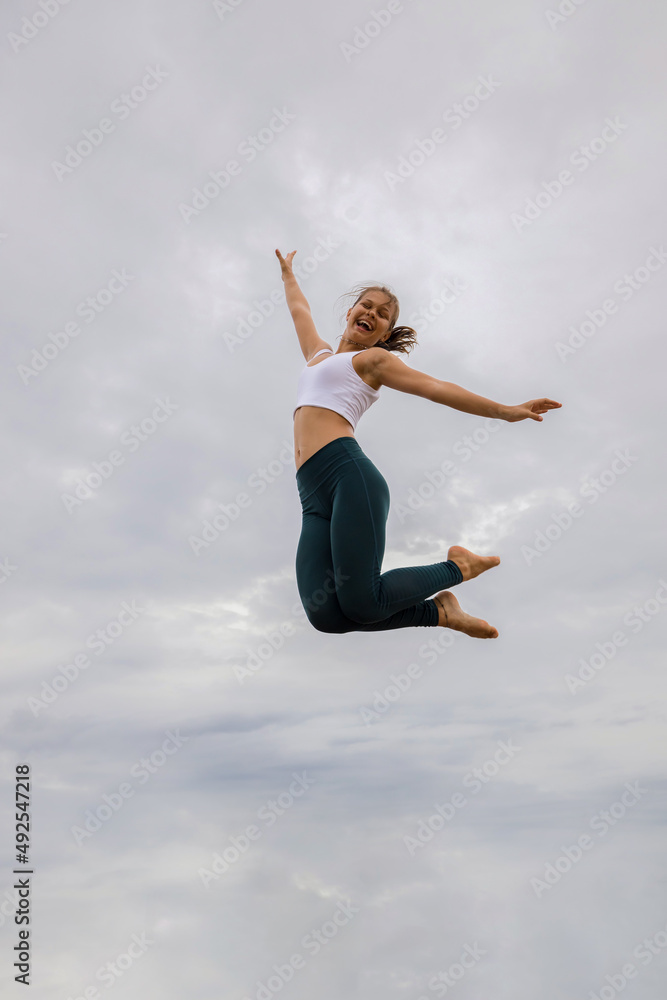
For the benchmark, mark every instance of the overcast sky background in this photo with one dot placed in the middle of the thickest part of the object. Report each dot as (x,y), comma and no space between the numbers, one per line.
(171,334)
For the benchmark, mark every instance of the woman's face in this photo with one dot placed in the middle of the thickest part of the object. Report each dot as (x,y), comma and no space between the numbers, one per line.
(368,321)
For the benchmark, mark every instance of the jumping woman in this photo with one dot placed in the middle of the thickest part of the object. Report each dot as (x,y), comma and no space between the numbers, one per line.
(345,498)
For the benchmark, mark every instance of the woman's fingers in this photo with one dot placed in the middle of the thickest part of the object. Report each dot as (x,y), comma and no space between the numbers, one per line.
(532,409)
(542,405)
(285,261)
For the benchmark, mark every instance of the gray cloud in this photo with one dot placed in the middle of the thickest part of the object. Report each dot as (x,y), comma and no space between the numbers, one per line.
(535,260)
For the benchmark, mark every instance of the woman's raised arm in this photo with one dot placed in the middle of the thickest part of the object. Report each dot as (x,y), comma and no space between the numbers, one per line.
(297,303)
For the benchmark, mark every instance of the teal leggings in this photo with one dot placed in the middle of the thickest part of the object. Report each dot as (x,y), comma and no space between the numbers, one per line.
(345,502)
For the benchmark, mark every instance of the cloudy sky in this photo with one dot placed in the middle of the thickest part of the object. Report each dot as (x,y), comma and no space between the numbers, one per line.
(225,802)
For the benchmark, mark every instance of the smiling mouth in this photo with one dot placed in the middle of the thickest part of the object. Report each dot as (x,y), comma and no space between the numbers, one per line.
(364,325)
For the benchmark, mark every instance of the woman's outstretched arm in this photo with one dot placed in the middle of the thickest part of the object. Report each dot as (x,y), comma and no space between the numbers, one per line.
(395,374)
(297,303)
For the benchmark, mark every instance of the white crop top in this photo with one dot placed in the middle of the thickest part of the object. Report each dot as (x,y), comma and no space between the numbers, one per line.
(335,385)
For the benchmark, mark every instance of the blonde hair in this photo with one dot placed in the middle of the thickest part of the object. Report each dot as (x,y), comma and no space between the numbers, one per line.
(401,338)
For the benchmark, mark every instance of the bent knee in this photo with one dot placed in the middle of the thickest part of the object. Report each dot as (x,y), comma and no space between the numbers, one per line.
(363,615)
(326,615)
(329,618)
(327,623)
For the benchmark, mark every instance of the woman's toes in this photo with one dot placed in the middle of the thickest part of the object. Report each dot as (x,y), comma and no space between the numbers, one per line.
(454,617)
(470,564)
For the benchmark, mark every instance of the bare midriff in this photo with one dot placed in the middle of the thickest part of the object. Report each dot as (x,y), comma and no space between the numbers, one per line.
(315,426)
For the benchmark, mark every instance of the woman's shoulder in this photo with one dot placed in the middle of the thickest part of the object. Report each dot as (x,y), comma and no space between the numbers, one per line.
(323,352)
(365,364)
(374,356)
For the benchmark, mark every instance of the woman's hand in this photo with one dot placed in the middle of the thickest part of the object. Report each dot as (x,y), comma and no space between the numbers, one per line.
(531,409)
(285,264)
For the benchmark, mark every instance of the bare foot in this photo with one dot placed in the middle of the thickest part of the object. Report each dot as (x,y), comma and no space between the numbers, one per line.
(451,615)
(470,564)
